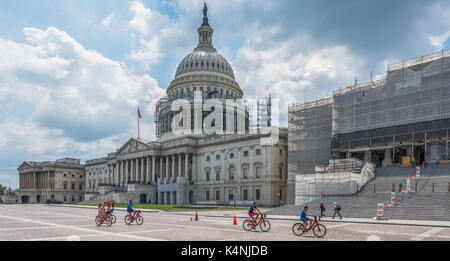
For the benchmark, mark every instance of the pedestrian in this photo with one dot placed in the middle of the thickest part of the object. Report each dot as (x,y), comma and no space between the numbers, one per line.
(337,210)
(322,210)
(113,204)
(109,204)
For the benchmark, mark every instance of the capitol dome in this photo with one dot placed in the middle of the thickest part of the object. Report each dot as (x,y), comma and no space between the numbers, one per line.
(204,70)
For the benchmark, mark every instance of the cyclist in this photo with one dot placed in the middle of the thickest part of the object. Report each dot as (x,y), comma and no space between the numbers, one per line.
(251,212)
(304,216)
(101,211)
(130,209)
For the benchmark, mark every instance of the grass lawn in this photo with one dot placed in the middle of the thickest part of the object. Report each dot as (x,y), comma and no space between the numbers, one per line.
(174,207)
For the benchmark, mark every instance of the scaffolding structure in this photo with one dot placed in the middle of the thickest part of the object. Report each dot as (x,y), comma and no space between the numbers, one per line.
(406,113)
(400,119)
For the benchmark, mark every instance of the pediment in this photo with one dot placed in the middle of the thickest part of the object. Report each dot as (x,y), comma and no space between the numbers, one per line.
(133,145)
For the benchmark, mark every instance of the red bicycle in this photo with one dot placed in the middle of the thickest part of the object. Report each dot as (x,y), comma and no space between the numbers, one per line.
(106,219)
(261,221)
(138,218)
(319,230)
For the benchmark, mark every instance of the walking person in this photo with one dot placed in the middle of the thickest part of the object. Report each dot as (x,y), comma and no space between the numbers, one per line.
(113,204)
(322,210)
(337,210)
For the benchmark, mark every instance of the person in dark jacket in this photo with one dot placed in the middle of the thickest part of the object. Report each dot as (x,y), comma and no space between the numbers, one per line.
(322,210)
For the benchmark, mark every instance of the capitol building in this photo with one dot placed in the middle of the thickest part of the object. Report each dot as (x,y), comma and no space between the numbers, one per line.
(199,167)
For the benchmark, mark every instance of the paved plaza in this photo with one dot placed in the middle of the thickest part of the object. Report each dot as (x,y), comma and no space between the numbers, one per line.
(42,222)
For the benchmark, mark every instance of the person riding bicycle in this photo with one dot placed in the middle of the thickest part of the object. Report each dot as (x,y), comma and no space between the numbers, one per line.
(130,209)
(251,212)
(101,210)
(304,215)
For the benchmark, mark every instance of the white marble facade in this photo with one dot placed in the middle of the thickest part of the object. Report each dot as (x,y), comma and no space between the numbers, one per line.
(223,170)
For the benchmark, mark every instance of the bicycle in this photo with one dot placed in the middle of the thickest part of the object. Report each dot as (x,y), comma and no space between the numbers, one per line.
(99,220)
(264,224)
(319,230)
(112,216)
(138,218)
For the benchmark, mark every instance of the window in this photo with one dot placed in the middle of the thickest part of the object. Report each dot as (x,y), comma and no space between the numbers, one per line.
(207,175)
(207,158)
(81,198)
(73,198)
(281,152)
(245,153)
(245,171)
(244,194)
(231,155)
(73,176)
(217,194)
(257,194)
(258,152)
(231,173)
(258,172)
(217,175)
(280,169)
(218,157)
(65,175)
(81,186)
(73,186)
(230,194)
(81,176)
(207,195)
(65,198)
(65,186)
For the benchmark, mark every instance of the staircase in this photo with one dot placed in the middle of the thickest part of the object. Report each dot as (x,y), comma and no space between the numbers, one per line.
(421,205)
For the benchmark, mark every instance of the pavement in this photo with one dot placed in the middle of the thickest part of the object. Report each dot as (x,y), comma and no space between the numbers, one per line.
(62,223)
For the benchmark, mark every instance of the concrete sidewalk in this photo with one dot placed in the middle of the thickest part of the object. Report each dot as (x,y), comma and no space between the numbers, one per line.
(94,207)
(239,214)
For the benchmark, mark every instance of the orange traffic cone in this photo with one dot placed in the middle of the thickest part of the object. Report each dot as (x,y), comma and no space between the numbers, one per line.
(235,221)
(196,216)
(191,218)
(423,165)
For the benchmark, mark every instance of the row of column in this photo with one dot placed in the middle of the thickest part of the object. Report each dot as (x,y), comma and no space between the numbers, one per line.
(148,169)
(34,180)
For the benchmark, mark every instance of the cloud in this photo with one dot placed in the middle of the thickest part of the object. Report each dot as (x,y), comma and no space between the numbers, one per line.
(107,21)
(439,40)
(145,20)
(76,102)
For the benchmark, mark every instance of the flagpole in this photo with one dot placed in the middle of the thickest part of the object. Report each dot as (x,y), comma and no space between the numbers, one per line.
(138,122)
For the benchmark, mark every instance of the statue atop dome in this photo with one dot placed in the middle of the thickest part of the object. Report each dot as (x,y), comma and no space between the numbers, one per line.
(205,10)
(205,15)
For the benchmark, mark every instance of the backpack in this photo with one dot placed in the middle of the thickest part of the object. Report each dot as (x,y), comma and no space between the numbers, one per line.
(338,208)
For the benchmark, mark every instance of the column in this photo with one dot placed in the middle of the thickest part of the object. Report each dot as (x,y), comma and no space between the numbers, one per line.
(142,170)
(108,166)
(186,166)
(147,177)
(194,167)
(153,168)
(172,175)
(48,180)
(166,175)
(126,171)
(179,165)
(133,169)
(161,167)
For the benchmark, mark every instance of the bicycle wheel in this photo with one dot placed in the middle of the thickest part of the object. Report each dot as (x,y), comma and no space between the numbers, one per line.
(319,230)
(139,220)
(128,219)
(98,220)
(247,225)
(108,222)
(265,225)
(113,219)
(298,229)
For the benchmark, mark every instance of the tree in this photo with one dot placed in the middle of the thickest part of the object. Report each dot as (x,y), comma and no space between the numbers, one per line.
(2,189)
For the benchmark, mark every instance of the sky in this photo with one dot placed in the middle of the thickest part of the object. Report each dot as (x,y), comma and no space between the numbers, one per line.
(72,73)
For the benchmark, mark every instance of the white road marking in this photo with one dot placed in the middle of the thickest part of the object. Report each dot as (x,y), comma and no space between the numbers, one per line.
(84,229)
(25,228)
(55,238)
(428,233)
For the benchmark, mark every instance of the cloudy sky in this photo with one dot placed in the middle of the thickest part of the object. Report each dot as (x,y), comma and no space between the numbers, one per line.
(73,72)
